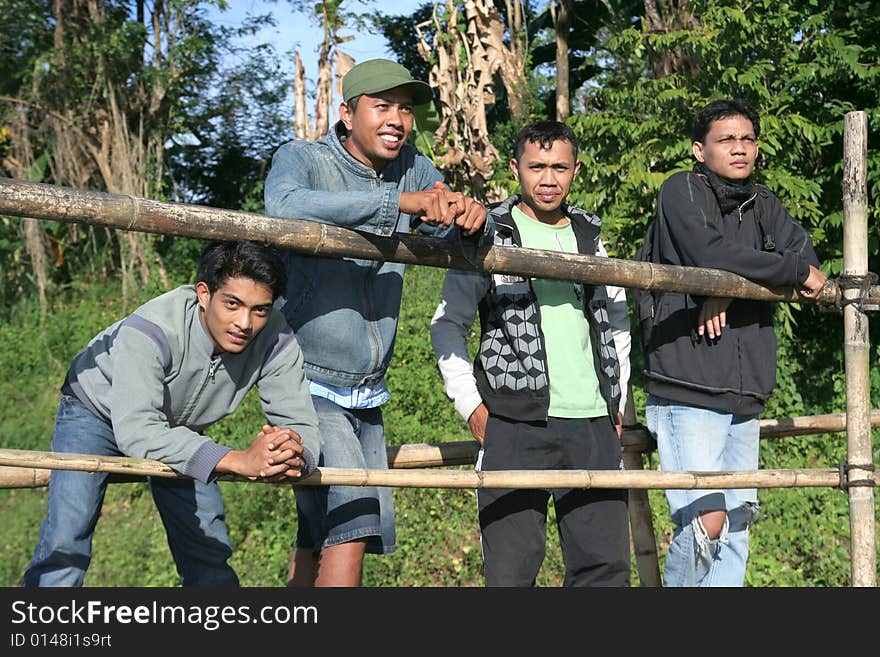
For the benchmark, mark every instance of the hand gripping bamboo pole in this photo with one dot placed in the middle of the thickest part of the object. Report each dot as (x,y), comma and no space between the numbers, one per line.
(57,203)
(857,352)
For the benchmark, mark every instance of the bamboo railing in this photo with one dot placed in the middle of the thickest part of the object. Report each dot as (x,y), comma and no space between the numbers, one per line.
(50,202)
(32,469)
(857,352)
(435,478)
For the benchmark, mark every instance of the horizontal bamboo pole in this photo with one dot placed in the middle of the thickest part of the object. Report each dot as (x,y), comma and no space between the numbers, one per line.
(634,439)
(647,479)
(810,424)
(432,455)
(434,478)
(56,203)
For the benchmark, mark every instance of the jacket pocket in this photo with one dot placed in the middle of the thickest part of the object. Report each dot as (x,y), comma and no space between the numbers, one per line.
(679,355)
(300,290)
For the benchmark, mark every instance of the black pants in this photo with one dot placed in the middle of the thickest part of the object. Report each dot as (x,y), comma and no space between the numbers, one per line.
(593,523)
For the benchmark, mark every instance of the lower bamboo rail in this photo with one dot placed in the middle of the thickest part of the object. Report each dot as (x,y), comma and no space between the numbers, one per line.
(15,473)
(436,478)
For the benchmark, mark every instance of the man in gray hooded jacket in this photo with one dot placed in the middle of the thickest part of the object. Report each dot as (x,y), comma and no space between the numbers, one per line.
(151,384)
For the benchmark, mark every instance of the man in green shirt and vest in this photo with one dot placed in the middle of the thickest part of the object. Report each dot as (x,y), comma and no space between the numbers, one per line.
(548,383)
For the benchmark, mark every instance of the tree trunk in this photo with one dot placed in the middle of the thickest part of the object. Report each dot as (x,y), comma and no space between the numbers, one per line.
(562,21)
(33,236)
(469,47)
(332,65)
(324,87)
(663,17)
(300,113)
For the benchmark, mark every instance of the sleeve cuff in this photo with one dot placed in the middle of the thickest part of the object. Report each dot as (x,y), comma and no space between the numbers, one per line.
(201,465)
(310,462)
(390,211)
(467,405)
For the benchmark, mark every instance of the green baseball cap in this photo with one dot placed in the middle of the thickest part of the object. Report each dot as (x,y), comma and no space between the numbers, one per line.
(375,75)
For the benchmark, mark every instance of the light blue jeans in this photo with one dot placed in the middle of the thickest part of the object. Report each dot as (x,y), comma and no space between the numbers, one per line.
(330,515)
(191,511)
(699,439)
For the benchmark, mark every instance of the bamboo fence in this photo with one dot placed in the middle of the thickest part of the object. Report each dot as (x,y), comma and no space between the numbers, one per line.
(857,352)
(32,469)
(33,461)
(56,203)
(414,465)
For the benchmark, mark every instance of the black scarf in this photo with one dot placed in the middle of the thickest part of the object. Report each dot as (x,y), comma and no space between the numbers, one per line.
(730,193)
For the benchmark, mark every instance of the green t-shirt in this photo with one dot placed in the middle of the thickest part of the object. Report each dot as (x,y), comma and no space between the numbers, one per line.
(574,386)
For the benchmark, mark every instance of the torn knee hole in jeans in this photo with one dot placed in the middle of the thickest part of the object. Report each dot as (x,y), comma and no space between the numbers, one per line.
(742,517)
(736,520)
(702,535)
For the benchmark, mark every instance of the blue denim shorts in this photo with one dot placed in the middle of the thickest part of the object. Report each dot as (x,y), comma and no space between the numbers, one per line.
(330,515)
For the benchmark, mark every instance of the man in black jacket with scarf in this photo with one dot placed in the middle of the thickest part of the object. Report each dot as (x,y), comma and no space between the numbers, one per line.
(710,364)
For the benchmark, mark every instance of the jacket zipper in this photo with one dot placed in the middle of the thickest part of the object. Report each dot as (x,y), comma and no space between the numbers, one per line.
(212,371)
(212,368)
(744,204)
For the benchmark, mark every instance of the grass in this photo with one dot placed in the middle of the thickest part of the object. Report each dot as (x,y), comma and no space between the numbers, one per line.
(802,540)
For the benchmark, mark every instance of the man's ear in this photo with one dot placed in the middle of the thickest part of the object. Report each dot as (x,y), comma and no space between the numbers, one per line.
(345,115)
(515,169)
(203,294)
(698,151)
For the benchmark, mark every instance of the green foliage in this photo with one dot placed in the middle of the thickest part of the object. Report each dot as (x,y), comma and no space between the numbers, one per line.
(219,125)
(804,64)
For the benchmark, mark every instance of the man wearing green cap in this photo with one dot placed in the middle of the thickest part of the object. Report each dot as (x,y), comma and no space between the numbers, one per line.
(362,175)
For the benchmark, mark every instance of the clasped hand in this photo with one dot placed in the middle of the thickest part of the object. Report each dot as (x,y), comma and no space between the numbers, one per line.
(440,205)
(274,454)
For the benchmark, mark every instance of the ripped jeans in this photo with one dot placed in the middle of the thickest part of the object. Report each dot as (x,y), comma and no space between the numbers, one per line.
(699,439)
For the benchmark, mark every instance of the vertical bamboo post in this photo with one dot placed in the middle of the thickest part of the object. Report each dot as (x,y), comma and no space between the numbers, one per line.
(640,520)
(856,350)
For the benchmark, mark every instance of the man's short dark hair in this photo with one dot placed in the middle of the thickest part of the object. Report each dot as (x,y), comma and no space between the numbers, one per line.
(722,109)
(221,260)
(544,133)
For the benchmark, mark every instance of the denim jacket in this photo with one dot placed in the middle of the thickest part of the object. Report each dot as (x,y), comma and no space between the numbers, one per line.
(344,311)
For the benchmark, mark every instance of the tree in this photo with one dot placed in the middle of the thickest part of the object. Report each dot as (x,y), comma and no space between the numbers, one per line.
(804,65)
(333,64)
(572,56)
(562,24)
(101,101)
(468,46)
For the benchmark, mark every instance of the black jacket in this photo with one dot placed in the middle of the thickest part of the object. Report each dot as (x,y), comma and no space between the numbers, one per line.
(754,237)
